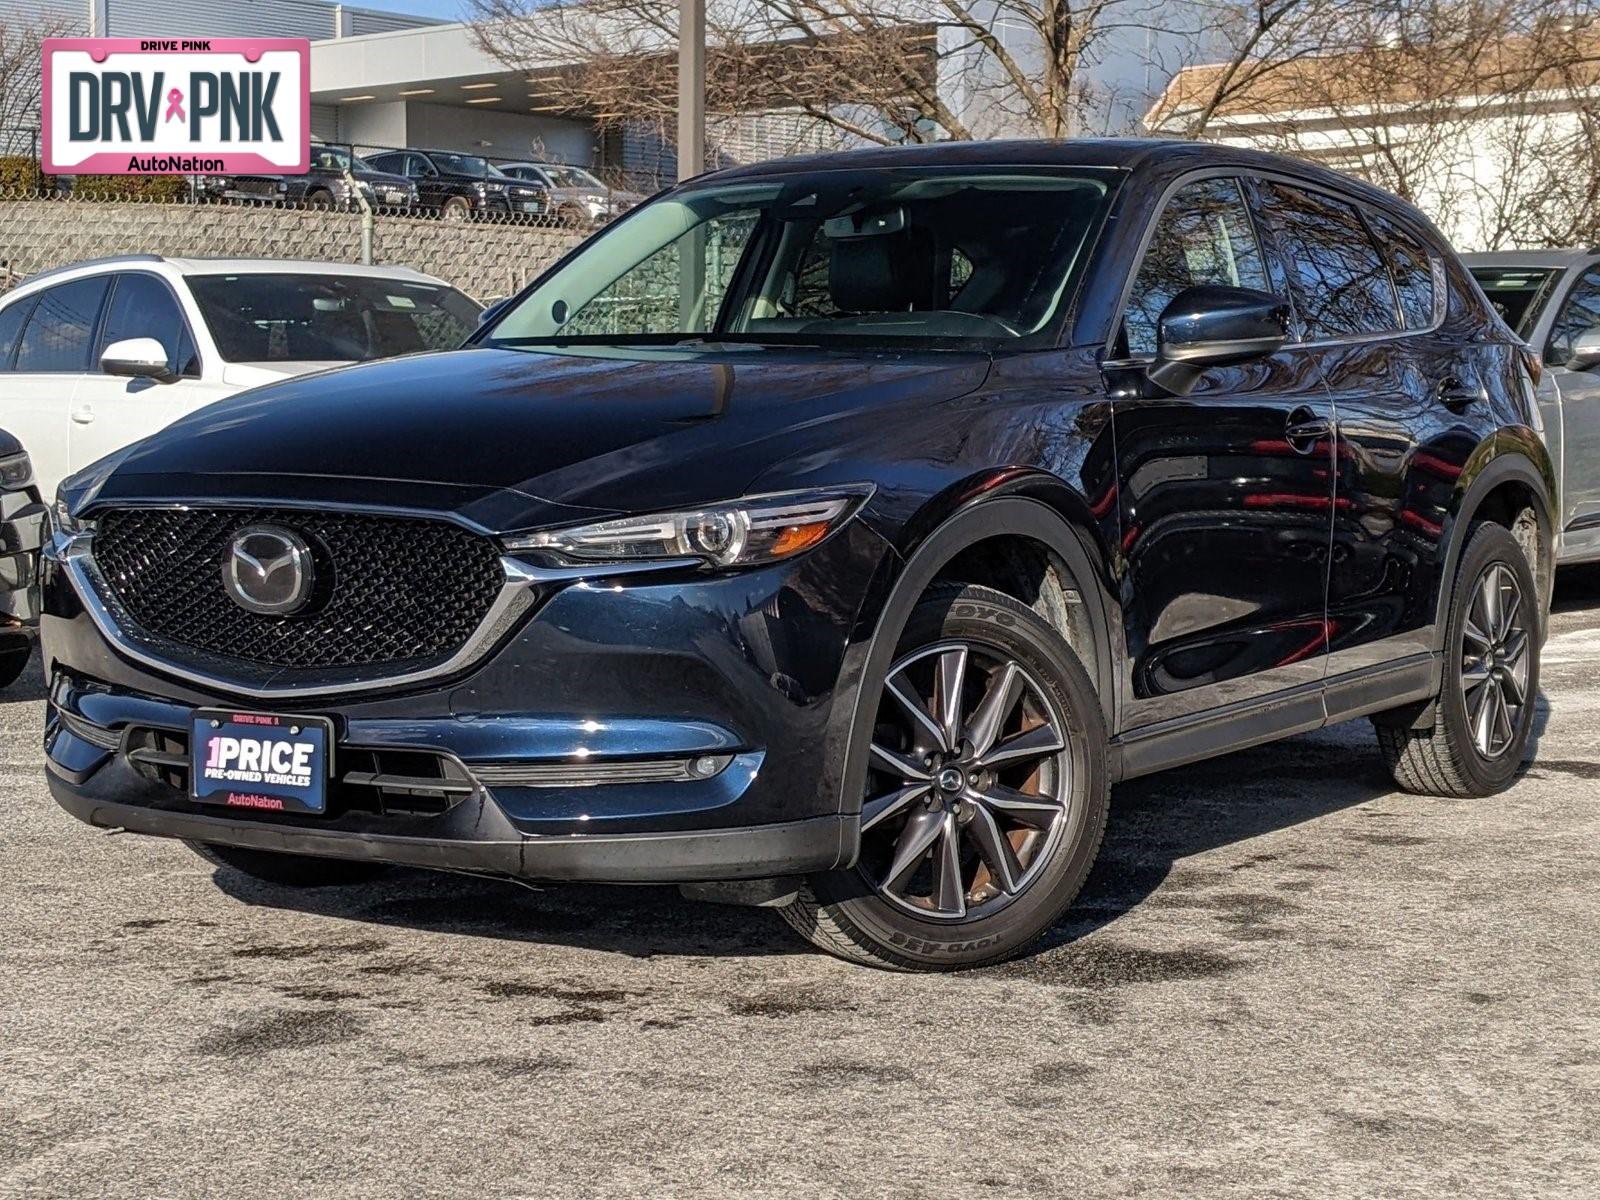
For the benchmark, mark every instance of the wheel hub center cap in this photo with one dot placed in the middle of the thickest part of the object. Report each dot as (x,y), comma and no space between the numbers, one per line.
(950,779)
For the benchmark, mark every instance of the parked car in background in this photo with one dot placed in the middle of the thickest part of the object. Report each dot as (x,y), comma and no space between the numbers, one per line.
(323,186)
(97,355)
(956,483)
(1551,300)
(459,186)
(577,198)
(22,532)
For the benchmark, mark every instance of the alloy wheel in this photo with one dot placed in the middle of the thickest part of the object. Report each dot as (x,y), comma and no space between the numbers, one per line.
(1494,660)
(970,784)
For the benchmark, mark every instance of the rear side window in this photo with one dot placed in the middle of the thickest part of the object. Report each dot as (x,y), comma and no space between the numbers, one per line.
(143,307)
(1411,266)
(1340,283)
(60,332)
(12,318)
(1203,236)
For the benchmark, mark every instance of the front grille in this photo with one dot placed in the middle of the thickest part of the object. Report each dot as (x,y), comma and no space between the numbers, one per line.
(389,590)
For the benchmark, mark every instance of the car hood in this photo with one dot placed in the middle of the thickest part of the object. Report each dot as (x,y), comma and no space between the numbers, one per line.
(509,439)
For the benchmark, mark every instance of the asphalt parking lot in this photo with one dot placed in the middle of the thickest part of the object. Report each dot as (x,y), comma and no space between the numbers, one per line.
(1285,979)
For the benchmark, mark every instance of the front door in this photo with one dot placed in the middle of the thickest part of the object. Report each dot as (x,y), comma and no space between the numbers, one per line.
(1580,417)
(1226,494)
(110,411)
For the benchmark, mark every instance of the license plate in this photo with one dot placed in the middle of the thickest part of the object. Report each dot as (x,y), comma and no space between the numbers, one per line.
(260,760)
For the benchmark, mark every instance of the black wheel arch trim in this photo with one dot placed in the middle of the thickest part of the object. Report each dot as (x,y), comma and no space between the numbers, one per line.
(1511,459)
(1011,514)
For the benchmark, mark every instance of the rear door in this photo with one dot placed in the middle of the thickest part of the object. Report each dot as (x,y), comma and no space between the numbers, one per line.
(1225,493)
(110,411)
(53,354)
(1410,405)
(1580,417)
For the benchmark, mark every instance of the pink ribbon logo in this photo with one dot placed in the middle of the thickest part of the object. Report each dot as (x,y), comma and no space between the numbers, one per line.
(175,105)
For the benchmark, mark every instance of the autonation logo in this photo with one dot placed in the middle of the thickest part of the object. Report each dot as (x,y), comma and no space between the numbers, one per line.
(126,106)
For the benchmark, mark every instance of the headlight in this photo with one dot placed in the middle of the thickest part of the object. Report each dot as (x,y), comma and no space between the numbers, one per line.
(63,520)
(16,471)
(757,529)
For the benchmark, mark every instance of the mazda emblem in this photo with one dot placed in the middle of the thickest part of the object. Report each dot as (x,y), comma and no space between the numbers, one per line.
(268,570)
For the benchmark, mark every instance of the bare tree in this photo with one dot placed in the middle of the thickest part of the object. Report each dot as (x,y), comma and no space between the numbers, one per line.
(21,71)
(876,71)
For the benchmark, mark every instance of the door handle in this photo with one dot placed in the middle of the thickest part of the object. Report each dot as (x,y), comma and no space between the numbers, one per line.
(83,416)
(1454,394)
(1305,429)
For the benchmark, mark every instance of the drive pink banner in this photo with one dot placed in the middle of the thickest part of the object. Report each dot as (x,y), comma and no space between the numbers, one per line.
(164,106)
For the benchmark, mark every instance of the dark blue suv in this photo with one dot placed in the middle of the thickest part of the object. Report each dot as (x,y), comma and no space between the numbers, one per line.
(831,534)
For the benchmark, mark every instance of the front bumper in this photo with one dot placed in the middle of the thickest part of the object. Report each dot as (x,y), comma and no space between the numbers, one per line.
(573,749)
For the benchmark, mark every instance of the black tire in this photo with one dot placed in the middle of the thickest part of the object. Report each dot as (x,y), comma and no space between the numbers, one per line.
(288,870)
(456,209)
(1447,759)
(319,198)
(13,662)
(850,913)
(569,216)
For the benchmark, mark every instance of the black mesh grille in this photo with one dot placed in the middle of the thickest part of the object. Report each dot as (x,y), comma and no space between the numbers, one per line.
(389,590)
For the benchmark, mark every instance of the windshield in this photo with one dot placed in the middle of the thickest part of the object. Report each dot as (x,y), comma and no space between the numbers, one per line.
(572,177)
(331,158)
(462,164)
(922,256)
(1517,293)
(329,318)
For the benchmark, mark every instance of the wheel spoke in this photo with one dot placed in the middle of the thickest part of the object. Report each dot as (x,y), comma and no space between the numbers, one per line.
(1477,636)
(906,766)
(995,849)
(880,809)
(1516,646)
(989,717)
(1033,743)
(913,706)
(1513,688)
(1482,718)
(1473,676)
(1037,811)
(949,675)
(1502,717)
(919,835)
(1510,602)
(949,889)
(1489,590)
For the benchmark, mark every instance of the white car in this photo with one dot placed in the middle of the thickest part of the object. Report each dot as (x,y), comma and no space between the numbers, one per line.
(97,355)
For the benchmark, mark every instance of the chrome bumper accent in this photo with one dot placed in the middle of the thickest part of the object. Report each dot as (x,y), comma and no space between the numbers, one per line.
(599,773)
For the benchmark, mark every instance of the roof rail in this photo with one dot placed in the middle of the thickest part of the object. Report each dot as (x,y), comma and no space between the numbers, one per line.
(91,262)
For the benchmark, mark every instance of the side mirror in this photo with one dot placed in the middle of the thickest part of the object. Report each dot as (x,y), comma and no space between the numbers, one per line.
(1213,326)
(1585,351)
(137,358)
(493,309)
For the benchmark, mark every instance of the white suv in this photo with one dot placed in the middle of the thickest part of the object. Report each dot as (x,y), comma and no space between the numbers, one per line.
(97,355)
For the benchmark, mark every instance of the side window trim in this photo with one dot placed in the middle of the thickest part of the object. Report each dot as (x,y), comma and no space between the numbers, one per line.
(177,304)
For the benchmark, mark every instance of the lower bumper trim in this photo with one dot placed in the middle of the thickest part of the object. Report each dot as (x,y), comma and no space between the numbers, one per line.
(748,852)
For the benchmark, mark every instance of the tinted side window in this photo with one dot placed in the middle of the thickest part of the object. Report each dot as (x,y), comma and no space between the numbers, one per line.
(1579,314)
(1340,282)
(1204,235)
(1411,266)
(142,307)
(11,321)
(60,333)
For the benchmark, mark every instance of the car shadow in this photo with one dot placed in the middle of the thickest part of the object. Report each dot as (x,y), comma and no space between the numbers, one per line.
(30,685)
(1156,823)
(1576,588)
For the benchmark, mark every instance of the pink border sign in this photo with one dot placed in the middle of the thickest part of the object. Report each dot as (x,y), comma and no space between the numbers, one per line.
(241,161)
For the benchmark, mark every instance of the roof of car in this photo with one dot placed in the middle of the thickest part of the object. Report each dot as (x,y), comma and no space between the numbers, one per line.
(235,266)
(1121,153)
(1076,152)
(1530,258)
